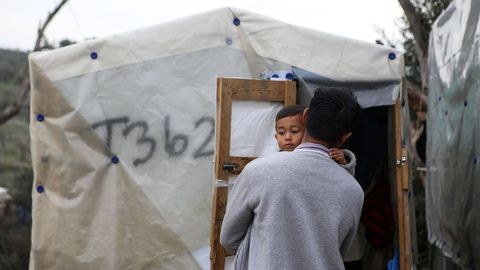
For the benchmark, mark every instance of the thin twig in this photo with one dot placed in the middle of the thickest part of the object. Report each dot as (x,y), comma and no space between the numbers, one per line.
(16,106)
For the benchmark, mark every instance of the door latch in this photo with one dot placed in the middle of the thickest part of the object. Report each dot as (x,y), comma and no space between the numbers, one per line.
(230,166)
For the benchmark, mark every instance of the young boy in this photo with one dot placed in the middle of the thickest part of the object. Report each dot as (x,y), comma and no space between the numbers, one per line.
(289,130)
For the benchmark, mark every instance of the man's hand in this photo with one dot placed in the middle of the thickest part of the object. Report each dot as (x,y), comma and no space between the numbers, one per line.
(337,155)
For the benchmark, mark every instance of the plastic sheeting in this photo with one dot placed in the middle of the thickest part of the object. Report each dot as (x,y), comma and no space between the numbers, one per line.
(122,130)
(453,142)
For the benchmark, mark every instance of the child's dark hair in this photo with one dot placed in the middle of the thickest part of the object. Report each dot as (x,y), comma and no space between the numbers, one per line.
(332,113)
(290,111)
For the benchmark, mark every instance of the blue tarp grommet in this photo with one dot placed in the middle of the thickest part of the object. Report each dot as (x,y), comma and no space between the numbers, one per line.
(236,21)
(392,56)
(465,103)
(40,189)
(93,55)
(115,160)
(228,41)
(289,76)
(274,76)
(40,117)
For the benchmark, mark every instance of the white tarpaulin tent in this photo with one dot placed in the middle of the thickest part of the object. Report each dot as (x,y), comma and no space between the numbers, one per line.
(122,130)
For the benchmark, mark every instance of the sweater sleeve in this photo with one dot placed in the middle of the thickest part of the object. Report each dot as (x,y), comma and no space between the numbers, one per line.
(239,214)
(350,166)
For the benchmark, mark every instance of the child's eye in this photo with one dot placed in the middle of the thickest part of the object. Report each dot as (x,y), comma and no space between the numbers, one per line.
(281,132)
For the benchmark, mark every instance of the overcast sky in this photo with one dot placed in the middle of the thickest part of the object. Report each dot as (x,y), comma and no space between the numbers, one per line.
(82,19)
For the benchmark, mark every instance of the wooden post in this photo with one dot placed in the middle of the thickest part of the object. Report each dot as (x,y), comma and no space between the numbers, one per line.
(220,193)
(402,190)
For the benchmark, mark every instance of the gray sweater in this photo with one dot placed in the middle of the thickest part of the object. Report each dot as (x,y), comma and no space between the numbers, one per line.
(292,210)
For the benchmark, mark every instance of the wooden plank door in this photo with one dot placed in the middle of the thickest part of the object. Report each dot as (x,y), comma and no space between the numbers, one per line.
(228,90)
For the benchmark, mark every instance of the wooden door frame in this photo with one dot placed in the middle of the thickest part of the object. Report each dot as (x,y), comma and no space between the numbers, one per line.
(228,90)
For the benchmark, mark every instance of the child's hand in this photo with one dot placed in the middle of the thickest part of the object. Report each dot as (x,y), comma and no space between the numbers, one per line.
(337,155)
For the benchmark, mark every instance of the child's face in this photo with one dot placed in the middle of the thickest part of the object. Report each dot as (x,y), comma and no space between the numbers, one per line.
(289,132)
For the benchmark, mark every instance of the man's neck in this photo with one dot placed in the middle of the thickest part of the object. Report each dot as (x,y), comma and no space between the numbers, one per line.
(309,139)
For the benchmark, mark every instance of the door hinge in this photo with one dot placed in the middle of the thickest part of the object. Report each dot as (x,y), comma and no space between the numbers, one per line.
(402,161)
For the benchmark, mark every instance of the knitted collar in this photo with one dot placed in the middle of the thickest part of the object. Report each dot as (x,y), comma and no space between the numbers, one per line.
(312,147)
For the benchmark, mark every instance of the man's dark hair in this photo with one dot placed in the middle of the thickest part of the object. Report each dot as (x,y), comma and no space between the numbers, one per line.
(290,111)
(332,113)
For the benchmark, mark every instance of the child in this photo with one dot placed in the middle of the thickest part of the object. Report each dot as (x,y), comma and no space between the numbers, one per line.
(289,129)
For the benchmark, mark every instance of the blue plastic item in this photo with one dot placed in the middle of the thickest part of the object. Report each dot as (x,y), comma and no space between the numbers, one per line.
(393,263)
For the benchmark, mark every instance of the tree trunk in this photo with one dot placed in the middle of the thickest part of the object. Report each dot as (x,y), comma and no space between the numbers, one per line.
(420,34)
(417,95)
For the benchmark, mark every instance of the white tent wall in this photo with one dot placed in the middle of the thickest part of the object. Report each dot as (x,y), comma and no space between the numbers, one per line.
(122,130)
(453,137)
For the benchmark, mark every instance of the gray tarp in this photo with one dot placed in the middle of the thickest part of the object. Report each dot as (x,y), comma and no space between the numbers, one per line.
(453,142)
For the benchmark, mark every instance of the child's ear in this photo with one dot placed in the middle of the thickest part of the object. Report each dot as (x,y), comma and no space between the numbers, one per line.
(275,135)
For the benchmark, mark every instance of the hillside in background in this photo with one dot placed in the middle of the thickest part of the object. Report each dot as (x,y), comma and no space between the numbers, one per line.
(15,166)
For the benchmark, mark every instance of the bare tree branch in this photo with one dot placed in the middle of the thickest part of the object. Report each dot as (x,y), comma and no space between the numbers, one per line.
(42,28)
(15,107)
(416,97)
(415,133)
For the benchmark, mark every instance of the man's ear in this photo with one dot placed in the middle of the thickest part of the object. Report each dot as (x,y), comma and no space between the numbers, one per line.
(304,116)
(344,138)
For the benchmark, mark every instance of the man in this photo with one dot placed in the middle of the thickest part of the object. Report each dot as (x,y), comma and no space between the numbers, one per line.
(298,210)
